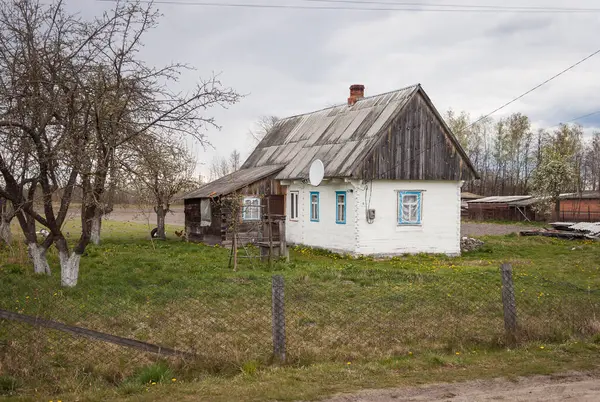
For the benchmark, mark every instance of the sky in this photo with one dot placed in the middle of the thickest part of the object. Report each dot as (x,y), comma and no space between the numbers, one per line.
(290,61)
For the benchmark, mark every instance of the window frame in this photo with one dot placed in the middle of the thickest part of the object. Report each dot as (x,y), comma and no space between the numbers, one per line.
(294,208)
(400,201)
(310,200)
(205,206)
(245,209)
(337,205)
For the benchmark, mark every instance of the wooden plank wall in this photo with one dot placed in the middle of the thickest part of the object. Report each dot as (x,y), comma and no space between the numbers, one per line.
(415,147)
(215,233)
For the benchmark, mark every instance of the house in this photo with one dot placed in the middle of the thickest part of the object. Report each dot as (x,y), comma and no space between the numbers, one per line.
(504,208)
(393,171)
(580,207)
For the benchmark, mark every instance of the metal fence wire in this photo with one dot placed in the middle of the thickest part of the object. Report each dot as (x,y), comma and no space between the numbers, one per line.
(48,336)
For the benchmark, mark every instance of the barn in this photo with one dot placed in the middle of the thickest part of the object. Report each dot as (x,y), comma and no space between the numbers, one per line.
(504,208)
(392,181)
(580,207)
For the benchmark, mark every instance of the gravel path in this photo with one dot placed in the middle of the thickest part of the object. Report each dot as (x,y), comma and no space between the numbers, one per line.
(576,387)
(491,229)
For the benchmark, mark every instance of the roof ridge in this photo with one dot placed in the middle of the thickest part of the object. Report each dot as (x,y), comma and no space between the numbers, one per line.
(417,85)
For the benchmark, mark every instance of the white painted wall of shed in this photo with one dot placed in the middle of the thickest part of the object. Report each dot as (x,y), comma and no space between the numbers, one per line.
(439,231)
(326,233)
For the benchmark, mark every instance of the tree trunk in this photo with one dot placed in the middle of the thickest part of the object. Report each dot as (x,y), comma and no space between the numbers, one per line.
(96,229)
(37,254)
(160,222)
(69,269)
(5,233)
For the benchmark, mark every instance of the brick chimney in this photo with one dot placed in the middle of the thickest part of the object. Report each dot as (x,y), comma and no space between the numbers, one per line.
(357,92)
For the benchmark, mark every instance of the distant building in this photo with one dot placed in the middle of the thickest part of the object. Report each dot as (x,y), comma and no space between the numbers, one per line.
(580,207)
(504,208)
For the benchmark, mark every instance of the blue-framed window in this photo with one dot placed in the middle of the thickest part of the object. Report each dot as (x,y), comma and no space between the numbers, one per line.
(340,207)
(410,207)
(314,206)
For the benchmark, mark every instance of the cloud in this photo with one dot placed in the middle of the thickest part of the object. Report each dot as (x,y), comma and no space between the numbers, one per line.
(295,61)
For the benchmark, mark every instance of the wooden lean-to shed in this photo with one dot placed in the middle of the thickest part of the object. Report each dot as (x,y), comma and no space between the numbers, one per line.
(504,208)
(207,214)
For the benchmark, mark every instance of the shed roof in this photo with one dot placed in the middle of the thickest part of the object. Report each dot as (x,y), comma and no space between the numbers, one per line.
(465,195)
(501,199)
(583,195)
(233,182)
(341,136)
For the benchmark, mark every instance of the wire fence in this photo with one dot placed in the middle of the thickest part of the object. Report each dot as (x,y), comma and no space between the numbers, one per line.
(239,319)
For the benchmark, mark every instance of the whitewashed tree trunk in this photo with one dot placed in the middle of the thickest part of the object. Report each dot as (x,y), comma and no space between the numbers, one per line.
(5,233)
(96,230)
(69,269)
(38,256)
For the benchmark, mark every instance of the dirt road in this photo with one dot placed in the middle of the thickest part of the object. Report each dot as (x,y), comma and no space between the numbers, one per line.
(144,215)
(491,229)
(576,387)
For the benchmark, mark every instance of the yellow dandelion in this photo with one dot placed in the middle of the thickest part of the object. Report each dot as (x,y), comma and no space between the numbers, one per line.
(541,347)
(349,363)
(174,379)
(457,353)
(153,383)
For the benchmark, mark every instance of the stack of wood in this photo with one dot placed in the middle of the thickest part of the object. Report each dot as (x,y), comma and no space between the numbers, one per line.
(568,230)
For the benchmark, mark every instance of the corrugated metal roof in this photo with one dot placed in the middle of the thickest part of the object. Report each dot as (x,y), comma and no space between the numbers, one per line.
(465,195)
(234,181)
(524,203)
(583,195)
(592,228)
(501,199)
(338,135)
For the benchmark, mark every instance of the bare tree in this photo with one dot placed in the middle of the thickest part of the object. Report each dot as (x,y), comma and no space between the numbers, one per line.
(72,94)
(262,127)
(221,166)
(163,168)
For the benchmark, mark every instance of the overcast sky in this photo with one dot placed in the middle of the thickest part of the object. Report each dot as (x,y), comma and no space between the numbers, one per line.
(291,61)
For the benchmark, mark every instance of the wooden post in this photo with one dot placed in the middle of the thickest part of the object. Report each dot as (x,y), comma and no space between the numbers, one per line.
(278,316)
(283,250)
(509,303)
(270,224)
(234,246)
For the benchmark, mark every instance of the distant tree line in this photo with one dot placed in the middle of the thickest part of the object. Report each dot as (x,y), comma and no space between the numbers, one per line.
(513,159)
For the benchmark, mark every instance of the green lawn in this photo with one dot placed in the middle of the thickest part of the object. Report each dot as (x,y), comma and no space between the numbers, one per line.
(427,317)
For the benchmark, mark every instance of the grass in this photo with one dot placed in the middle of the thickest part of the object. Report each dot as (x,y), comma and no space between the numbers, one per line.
(391,319)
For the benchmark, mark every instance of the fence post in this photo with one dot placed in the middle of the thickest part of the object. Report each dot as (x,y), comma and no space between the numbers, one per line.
(278,318)
(509,303)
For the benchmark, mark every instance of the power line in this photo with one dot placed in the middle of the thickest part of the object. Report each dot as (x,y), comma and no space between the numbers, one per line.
(583,117)
(402,8)
(492,7)
(535,88)
(501,107)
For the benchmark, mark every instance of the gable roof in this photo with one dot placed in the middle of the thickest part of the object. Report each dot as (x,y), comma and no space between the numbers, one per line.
(233,182)
(341,136)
